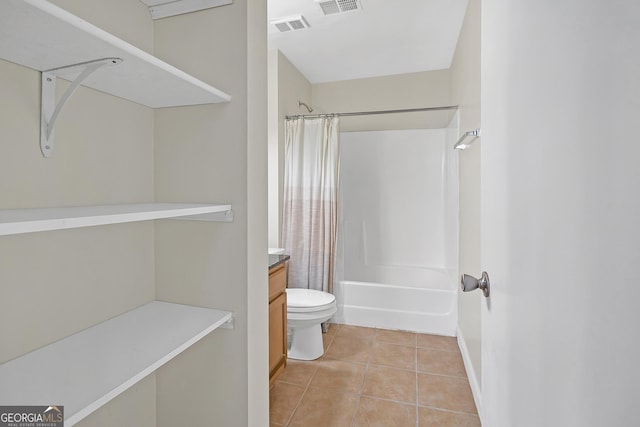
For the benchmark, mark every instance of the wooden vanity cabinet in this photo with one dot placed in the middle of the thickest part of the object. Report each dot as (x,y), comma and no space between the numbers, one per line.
(277,321)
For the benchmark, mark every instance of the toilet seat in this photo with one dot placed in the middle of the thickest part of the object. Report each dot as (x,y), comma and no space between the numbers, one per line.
(308,300)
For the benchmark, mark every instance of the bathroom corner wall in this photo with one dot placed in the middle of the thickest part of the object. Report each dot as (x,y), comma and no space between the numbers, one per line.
(257,218)
(414,90)
(287,86)
(202,153)
(465,88)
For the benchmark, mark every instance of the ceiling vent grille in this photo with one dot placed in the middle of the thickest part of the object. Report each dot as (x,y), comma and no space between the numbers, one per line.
(291,23)
(336,6)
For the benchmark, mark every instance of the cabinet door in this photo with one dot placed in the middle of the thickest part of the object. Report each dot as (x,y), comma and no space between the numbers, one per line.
(277,336)
(277,281)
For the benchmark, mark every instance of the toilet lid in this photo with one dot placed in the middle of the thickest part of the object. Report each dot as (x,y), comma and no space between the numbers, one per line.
(308,298)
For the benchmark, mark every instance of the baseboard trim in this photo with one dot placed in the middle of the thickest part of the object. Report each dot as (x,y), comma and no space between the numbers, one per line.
(471,374)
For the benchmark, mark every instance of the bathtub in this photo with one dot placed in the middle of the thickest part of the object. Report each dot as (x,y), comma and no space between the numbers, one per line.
(397,247)
(408,308)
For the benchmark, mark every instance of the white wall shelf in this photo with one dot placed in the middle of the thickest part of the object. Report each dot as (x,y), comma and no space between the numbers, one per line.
(88,369)
(42,36)
(19,221)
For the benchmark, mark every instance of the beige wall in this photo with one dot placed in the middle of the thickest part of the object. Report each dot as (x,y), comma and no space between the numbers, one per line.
(74,269)
(465,87)
(202,153)
(60,282)
(287,86)
(257,138)
(415,90)
(274,173)
(126,19)
(109,150)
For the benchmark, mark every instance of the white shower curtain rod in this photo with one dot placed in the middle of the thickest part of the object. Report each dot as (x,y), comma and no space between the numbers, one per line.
(367,113)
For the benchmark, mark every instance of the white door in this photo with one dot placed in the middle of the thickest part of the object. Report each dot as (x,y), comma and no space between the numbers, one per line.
(561,213)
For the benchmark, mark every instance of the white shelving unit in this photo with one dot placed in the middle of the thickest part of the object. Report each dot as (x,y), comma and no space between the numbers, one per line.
(20,221)
(88,369)
(42,36)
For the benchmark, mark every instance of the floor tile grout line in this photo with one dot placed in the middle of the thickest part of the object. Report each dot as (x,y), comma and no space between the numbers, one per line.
(443,375)
(393,367)
(439,373)
(364,376)
(301,397)
(435,347)
(358,394)
(450,352)
(449,410)
(417,387)
(333,337)
(415,365)
(386,399)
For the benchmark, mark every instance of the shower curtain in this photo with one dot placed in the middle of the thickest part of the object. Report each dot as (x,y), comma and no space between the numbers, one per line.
(310,211)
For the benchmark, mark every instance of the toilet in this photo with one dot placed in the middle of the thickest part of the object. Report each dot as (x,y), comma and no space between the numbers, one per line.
(306,310)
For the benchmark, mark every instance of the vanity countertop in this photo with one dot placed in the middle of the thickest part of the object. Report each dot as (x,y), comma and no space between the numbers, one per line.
(275,260)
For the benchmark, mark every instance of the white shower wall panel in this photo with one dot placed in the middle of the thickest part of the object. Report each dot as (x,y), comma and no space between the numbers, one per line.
(398,229)
(396,207)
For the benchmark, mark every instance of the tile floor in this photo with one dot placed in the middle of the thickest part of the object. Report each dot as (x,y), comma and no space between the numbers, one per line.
(376,377)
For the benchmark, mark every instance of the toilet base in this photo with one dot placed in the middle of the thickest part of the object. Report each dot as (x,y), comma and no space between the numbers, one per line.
(306,343)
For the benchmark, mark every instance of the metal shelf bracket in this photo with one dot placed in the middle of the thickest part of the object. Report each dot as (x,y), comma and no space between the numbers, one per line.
(461,145)
(50,111)
(229,324)
(224,216)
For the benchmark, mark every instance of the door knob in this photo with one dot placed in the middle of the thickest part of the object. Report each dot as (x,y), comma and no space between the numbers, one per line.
(470,283)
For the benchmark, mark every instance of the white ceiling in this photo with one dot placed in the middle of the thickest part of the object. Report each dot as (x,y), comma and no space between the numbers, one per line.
(384,37)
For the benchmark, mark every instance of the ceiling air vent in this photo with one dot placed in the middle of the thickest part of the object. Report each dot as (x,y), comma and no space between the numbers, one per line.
(291,23)
(336,6)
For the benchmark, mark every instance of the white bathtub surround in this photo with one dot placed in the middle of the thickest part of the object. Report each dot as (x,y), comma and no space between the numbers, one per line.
(398,250)
(376,305)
